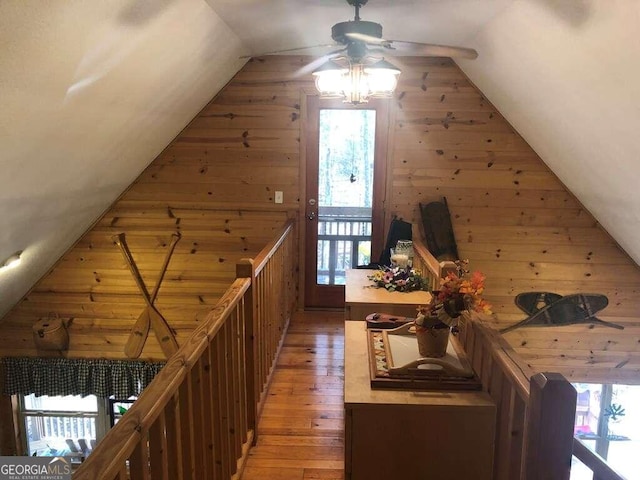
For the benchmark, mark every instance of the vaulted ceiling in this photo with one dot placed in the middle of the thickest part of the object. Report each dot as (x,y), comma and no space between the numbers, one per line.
(92,92)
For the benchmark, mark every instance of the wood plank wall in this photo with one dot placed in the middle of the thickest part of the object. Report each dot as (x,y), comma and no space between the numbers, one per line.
(514,220)
(214,185)
(512,217)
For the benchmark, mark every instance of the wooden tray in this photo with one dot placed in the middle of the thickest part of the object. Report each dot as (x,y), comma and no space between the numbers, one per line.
(386,320)
(394,362)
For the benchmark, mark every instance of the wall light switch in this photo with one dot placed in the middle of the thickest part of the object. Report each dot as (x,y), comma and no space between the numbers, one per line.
(279,197)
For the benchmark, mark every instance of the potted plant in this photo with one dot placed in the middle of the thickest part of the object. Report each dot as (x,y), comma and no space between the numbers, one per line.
(398,279)
(459,291)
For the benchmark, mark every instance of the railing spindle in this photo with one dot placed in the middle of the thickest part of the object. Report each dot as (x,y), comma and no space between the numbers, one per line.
(186,434)
(174,447)
(139,461)
(158,449)
(196,418)
(208,407)
(216,417)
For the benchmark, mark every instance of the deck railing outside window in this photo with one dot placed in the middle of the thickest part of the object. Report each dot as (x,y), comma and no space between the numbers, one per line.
(344,242)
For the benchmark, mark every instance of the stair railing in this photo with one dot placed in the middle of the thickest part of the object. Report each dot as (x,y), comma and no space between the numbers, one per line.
(430,268)
(598,465)
(534,411)
(198,417)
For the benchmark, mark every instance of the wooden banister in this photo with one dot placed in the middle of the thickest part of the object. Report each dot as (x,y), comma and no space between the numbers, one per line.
(526,402)
(267,252)
(432,269)
(535,412)
(127,439)
(550,419)
(197,418)
(273,299)
(503,354)
(598,465)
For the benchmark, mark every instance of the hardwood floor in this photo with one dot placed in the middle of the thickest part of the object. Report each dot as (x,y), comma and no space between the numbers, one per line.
(301,431)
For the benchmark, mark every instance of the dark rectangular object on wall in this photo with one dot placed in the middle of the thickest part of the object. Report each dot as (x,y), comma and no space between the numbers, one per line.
(438,231)
(398,230)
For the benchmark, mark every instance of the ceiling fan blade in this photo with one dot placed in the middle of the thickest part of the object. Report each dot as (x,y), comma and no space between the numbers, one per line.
(368,39)
(314,64)
(433,50)
(290,50)
(427,49)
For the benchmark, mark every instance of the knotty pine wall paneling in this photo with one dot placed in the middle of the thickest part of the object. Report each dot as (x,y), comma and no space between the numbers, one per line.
(514,220)
(214,185)
(512,217)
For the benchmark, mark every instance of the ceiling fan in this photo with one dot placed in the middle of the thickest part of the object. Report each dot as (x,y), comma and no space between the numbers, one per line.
(358,37)
(355,70)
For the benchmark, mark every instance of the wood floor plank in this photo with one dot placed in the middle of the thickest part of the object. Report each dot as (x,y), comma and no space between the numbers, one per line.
(310,408)
(297,452)
(323,474)
(285,423)
(334,390)
(296,463)
(311,414)
(272,473)
(301,429)
(301,440)
(308,399)
(283,377)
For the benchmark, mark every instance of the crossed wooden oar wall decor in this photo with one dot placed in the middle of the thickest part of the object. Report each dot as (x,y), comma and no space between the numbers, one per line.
(150,316)
(547,309)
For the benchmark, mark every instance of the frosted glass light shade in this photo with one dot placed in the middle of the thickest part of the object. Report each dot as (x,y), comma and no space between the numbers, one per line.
(383,78)
(358,82)
(329,79)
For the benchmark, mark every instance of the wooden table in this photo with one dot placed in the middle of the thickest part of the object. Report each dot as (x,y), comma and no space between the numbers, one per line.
(412,435)
(361,299)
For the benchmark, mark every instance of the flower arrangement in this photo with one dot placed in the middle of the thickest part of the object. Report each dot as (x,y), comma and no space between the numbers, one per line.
(398,279)
(459,291)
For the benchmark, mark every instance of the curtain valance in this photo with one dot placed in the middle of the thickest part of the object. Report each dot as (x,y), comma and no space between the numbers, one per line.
(63,376)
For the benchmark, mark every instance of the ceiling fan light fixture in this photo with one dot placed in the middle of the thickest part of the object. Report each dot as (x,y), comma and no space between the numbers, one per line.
(383,78)
(329,79)
(357,83)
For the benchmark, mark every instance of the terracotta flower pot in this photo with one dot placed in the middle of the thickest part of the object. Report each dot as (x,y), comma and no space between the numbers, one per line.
(432,342)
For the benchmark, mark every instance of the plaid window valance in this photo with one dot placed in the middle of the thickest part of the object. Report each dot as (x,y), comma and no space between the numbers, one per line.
(62,376)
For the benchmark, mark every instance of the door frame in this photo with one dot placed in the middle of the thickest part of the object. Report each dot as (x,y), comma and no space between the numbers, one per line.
(330,296)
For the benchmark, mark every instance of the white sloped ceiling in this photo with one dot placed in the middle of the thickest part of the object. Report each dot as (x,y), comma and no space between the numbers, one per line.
(90,93)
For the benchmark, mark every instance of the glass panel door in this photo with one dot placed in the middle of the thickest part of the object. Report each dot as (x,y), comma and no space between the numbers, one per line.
(345,180)
(345,192)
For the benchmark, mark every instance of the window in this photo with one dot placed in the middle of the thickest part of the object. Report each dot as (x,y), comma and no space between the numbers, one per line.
(608,422)
(118,407)
(60,425)
(70,425)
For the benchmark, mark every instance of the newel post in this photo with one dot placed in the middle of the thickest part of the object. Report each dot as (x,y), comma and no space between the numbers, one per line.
(244,269)
(550,420)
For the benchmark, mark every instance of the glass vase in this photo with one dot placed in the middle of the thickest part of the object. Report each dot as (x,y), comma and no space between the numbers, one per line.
(405,247)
